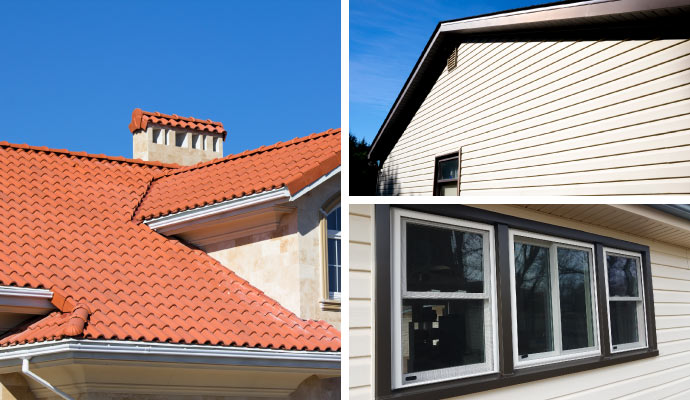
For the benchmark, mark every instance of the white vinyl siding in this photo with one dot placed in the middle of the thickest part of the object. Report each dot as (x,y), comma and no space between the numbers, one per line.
(361,304)
(556,117)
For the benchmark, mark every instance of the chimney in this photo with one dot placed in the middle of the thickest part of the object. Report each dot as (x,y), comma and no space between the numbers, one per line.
(175,139)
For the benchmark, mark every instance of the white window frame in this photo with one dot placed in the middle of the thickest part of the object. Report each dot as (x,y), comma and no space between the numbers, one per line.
(334,234)
(398,247)
(558,354)
(642,341)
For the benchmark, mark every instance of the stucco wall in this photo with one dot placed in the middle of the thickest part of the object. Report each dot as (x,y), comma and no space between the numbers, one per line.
(287,263)
(554,117)
(665,376)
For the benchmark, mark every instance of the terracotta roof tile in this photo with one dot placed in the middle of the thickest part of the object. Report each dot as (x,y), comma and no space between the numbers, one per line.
(141,119)
(67,227)
(293,164)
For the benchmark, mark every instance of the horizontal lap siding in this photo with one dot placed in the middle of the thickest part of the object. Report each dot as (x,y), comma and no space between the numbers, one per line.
(585,117)
(361,311)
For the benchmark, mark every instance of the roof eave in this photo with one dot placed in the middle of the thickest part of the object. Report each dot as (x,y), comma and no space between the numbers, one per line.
(511,19)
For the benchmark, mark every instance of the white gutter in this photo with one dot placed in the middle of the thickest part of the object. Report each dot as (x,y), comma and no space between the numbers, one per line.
(20,300)
(168,222)
(316,183)
(167,352)
(26,371)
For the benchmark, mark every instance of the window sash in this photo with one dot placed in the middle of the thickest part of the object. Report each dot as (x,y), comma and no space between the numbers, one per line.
(558,354)
(642,340)
(399,292)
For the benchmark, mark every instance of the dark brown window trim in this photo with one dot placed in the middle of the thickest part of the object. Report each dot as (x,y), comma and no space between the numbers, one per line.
(446,157)
(507,375)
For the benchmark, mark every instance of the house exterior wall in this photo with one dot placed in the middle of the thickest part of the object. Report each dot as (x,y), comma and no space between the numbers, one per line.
(361,328)
(165,150)
(287,263)
(665,376)
(536,117)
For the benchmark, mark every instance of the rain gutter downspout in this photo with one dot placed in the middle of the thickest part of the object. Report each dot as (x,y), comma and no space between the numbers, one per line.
(26,371)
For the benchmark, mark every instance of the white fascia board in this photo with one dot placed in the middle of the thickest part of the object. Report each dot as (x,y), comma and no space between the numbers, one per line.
(655,215)
(167,352)
(22,300)
(181,218)
(316,183)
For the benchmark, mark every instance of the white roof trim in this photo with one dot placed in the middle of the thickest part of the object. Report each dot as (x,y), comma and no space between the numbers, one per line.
(167,352)
(316,183)
(21,300)
(183,217)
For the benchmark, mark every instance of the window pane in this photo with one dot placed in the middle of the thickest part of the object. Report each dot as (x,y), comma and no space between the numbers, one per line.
(441,333)
(533,298)
(448,189)
(622,273)
(444,260)
(333,279)
(333,220)
(448,169)
(576,298)
(623,316)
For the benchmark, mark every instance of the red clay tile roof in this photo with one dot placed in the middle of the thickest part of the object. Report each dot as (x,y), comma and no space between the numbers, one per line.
(67,226)
(141,119)
(294,164)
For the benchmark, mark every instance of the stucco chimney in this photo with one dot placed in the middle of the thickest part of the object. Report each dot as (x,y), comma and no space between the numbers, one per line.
(175,139)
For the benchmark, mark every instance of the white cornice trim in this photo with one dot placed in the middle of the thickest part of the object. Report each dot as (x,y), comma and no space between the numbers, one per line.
(316,183)
(167,352)
(169,222)
(21,300)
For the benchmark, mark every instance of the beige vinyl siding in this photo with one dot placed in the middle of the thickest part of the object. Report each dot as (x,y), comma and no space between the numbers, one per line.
(558,117)
(664,377)
(361,304)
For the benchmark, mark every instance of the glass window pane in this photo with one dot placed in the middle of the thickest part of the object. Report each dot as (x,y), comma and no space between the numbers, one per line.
(623,316)
(575,298)
(448,189)
(444,260)
(441,333)
(622,274)
(333,279)
(333,253)
(333,220)
(533,298)
(448,169)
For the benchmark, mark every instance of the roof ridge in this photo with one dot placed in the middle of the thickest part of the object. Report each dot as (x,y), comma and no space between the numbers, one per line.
(88,155)
(175,116)
(247,153)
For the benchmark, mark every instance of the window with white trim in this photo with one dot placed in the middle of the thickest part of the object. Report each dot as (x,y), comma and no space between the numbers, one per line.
(554,302)
(481,300)
(624,288)
(444,299)
(333,226)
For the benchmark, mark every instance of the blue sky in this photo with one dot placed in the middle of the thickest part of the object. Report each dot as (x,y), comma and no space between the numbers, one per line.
(73,71)
(386,39)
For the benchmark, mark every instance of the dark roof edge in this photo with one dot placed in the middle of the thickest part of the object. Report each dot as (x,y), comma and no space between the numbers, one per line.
(502,20)
(677,210)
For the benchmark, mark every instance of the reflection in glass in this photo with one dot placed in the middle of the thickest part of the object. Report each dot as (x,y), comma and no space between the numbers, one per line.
(575,298)
(444,260)
(448,169)
(333,220)
(623,316)
(622,273)
(441,333)
(533,299)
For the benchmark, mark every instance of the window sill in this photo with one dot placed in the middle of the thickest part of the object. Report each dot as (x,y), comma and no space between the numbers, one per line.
(330,305)
(475,384)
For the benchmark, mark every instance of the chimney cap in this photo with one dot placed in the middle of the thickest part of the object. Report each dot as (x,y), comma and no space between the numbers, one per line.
(141,119)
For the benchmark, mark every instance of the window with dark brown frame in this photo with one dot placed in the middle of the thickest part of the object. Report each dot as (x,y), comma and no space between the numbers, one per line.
(447,175)
(500,301)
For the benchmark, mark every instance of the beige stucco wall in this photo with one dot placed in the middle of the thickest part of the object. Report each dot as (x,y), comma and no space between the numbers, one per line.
(665,376)
(144,148)
(287,263)
(553,118)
